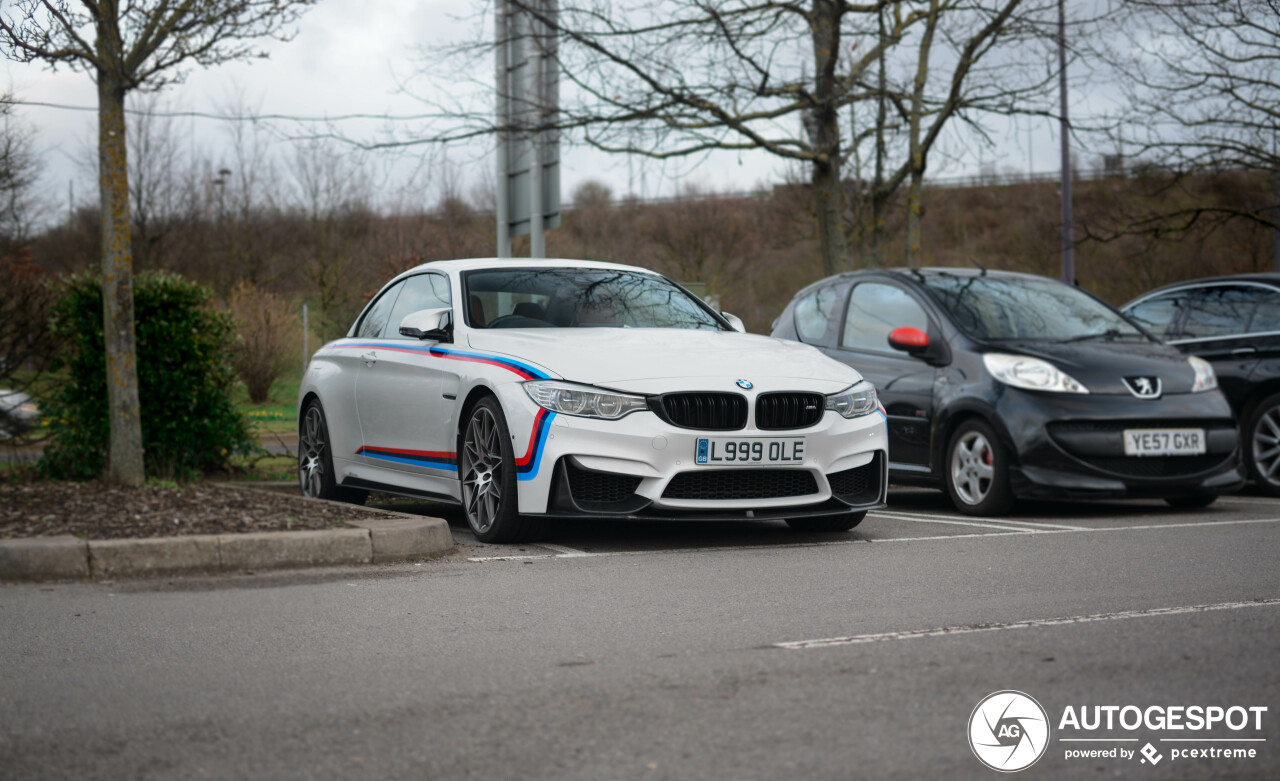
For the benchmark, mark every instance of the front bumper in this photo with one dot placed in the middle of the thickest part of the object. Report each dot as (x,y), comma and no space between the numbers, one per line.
(1074,447)
(642,467)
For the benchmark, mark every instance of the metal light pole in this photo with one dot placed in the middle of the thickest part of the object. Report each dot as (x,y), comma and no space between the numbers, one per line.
(1068,251)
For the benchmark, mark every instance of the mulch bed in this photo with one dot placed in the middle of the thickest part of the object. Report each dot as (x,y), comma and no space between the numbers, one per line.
(99,511)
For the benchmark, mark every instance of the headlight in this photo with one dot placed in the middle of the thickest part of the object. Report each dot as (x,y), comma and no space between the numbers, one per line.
(1021,371)
(1206,379)
(582,400)
(854,401)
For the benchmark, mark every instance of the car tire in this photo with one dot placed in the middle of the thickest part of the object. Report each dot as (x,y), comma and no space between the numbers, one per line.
(1193,502)
(487,470)
(827,523)
(1260,441)
(977,471)
(316,477)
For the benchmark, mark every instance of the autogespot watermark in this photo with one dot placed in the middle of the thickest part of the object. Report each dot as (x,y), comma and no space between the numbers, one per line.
(1010,731)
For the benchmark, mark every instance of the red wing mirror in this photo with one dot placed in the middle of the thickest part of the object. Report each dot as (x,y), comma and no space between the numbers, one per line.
(909,340)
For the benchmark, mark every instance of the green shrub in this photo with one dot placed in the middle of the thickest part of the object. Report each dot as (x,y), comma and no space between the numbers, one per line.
(185,380)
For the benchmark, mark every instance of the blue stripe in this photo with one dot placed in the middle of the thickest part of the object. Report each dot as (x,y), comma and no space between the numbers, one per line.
(537,456)
(496,359)
(413,461)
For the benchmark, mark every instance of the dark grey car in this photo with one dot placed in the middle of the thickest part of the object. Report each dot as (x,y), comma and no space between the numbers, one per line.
(1233,323)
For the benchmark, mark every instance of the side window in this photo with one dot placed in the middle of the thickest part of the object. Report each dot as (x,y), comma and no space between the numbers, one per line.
(1266,318)
(875,309)
(375,317)
(1158,314)
(425,291)
(1221,311)
(816,310)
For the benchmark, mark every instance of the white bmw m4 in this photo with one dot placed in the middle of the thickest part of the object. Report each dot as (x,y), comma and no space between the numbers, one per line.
(533,389)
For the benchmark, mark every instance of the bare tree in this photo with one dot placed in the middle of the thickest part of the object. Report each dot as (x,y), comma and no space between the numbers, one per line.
(126,46)
(1202,79)
(19,169)
(160,178)
(680,79)
(332,191)
(703,237)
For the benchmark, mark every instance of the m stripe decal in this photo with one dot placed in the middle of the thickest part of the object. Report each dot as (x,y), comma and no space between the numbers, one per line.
(427,458)
(526,466)
(524,370)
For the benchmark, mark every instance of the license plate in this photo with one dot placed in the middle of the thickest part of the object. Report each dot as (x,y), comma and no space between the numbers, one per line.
(1164,442)
(728,451)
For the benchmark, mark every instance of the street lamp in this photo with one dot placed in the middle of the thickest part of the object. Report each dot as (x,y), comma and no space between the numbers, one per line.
(224,174)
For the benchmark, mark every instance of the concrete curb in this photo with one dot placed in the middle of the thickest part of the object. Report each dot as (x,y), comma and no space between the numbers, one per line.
(363,541)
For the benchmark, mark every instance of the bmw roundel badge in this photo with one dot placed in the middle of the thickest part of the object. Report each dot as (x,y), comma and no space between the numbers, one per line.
(745,384)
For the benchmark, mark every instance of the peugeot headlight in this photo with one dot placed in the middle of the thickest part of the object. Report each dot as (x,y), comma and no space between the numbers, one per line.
(1206,379)
(1021,371)
(855,401)
(585,401)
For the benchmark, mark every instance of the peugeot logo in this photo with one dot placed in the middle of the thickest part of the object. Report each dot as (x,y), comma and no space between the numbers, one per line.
(745,384)
(1144,387)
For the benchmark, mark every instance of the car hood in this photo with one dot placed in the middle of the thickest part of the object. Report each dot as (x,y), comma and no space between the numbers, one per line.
(654,360)
(1102,365)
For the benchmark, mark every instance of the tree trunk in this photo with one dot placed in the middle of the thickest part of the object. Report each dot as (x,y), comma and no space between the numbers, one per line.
(828,192)
(829,201)
(915,151)
(124,463)
(879,199)
(914,213)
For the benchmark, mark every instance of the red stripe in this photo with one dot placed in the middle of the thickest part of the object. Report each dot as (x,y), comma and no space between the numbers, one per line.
(421,453)
(533,438)
(509,368)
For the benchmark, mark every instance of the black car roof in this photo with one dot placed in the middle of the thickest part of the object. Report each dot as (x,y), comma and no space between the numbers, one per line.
(1265,278)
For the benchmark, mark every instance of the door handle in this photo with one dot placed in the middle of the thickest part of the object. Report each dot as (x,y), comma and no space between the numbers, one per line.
(1240,352)
(369,358)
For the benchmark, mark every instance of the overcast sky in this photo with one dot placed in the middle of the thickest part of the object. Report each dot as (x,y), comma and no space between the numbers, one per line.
(345,59)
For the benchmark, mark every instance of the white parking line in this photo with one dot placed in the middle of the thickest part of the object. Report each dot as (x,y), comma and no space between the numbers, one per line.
(1257,502)
(563,551)
(928,538)
(906,515)
(1039,622)
(949,521)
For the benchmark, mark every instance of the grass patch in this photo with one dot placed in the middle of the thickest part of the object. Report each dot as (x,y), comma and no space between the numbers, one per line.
(278,414)
(265,468)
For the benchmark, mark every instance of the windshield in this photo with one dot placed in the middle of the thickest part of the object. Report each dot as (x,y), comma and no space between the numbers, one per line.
(580,298)
(1001,309)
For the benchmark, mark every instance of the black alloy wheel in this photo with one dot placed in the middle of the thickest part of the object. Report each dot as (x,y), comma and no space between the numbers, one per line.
(487,469)
(1260,438)
(315,461)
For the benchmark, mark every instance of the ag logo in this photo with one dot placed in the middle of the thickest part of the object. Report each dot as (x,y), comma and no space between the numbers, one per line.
(1008,731)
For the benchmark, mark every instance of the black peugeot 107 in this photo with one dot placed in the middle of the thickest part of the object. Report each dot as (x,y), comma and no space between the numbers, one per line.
(1000,385)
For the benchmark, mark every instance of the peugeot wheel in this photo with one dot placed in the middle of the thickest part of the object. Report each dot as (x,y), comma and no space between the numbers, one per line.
(1261,443)
(487,468)
(977,471)
(315,461)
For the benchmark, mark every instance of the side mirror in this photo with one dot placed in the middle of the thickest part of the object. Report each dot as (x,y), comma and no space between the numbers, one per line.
(735,321)
(911,341)
(434,324)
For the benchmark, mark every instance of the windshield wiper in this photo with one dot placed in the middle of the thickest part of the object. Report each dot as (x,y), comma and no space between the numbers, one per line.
(1109,334)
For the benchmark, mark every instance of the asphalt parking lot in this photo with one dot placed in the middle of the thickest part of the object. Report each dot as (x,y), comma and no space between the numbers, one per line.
(913,514)
(681,651)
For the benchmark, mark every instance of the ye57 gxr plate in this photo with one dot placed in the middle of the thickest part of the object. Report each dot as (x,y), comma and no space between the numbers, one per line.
(1164,442)
(739,451)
